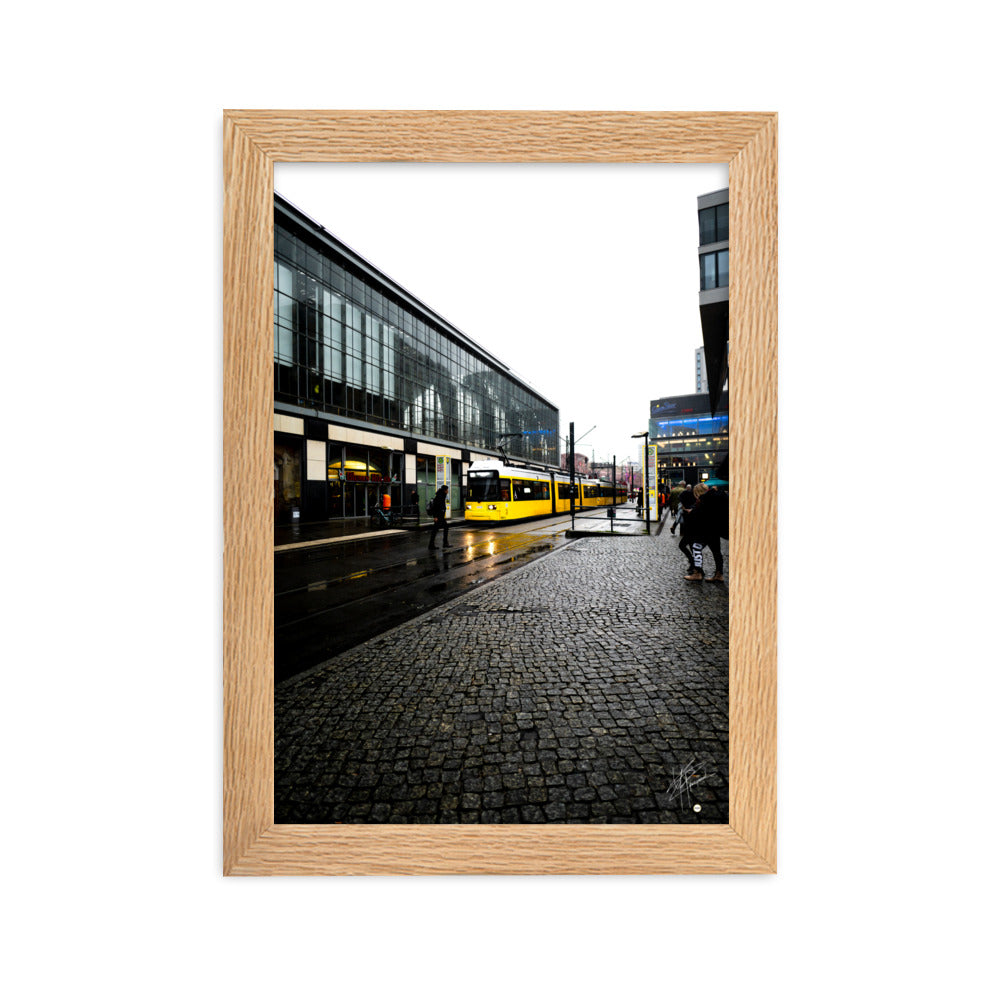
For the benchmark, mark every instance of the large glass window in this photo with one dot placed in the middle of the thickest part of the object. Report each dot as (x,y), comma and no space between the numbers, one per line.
(713,224)
(708,272)
(714,269)
(287,478)
(342,344)
(692,426)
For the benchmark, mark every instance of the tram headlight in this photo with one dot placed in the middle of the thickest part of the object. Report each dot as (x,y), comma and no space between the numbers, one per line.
(492,506)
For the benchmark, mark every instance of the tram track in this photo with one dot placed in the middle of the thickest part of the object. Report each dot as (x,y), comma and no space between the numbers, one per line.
(330,613)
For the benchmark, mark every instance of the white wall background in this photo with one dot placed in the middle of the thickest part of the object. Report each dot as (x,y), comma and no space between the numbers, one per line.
(112,734)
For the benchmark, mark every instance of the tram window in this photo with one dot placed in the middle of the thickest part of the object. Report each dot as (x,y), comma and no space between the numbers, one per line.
(504,489)
(484,486)
(524,489)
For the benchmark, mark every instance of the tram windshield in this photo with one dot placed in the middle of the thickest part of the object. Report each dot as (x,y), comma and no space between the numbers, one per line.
(484,486)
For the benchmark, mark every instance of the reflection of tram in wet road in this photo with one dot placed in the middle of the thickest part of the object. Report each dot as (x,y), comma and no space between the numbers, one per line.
(329,598)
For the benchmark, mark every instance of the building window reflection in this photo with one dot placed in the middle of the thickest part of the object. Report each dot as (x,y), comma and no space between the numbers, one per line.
(714,269)
(713,224)
(349,348)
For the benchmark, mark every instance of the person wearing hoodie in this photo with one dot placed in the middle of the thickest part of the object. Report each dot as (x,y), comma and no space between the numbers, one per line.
(705,526)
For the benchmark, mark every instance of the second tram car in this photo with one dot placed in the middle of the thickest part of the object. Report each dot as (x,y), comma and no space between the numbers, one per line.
(499,492)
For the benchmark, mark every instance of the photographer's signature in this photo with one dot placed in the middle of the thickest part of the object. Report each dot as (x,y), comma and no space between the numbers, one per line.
(688,777)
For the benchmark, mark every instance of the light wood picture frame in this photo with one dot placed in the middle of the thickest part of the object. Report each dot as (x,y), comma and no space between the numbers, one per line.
(253,142)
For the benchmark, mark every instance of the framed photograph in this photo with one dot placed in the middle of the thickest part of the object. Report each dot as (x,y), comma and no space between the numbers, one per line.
(254,141)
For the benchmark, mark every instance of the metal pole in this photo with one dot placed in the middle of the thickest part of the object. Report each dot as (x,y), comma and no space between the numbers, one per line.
(645,451)
(572,477)
(614,491)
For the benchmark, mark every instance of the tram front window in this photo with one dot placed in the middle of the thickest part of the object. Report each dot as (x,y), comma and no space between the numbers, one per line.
(484,486)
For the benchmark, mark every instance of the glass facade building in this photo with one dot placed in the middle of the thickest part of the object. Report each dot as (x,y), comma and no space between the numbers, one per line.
(383,383)
(692,441)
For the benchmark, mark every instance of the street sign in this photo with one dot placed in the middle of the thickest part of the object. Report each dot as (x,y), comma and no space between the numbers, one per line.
(651,497)
(442,474)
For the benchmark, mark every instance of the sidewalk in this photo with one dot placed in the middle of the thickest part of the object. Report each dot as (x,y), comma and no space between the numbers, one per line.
(587,686)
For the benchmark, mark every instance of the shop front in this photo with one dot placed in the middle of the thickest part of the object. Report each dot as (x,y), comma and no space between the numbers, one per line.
(287,478)
(359,479)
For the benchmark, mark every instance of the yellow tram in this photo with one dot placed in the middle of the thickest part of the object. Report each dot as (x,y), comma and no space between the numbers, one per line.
(500,492)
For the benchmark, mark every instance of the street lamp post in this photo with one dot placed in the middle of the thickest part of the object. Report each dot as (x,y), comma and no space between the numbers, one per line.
(645,471)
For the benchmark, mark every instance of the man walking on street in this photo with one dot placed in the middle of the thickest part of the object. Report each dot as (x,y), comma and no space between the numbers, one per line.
(674,502)
(439,508)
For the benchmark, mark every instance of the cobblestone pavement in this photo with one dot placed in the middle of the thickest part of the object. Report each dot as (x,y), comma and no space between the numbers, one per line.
(590,686)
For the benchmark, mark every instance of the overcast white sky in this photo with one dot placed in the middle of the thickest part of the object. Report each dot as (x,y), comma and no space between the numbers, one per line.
(583,278)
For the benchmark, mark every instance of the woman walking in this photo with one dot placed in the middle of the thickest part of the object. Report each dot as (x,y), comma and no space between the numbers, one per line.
(704,526)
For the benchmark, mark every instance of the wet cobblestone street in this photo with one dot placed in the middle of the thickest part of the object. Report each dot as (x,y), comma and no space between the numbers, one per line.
(589,686)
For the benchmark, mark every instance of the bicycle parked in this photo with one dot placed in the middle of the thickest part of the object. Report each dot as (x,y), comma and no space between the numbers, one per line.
(385,519)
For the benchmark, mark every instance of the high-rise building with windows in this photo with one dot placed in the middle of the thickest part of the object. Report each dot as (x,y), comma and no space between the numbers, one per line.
(713,297)
(372,388)
(700,372)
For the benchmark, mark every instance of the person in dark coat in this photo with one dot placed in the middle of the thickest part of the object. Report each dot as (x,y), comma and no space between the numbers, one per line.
(706,525)
(685,503)
(439,508)
(674,502)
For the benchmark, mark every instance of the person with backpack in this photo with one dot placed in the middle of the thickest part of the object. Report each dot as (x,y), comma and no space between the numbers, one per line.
(438,509)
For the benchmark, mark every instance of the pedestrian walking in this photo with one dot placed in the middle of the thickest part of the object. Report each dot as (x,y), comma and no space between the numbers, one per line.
(685,503)
(674,503)
(707,524)
(638,504)
(439,510)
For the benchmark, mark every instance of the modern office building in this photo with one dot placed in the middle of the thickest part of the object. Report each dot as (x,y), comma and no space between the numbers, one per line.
(691,438)
(713,298)
(700,372)
(376,394)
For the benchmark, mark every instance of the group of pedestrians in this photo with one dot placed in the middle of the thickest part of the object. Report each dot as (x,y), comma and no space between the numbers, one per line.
(702,515)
